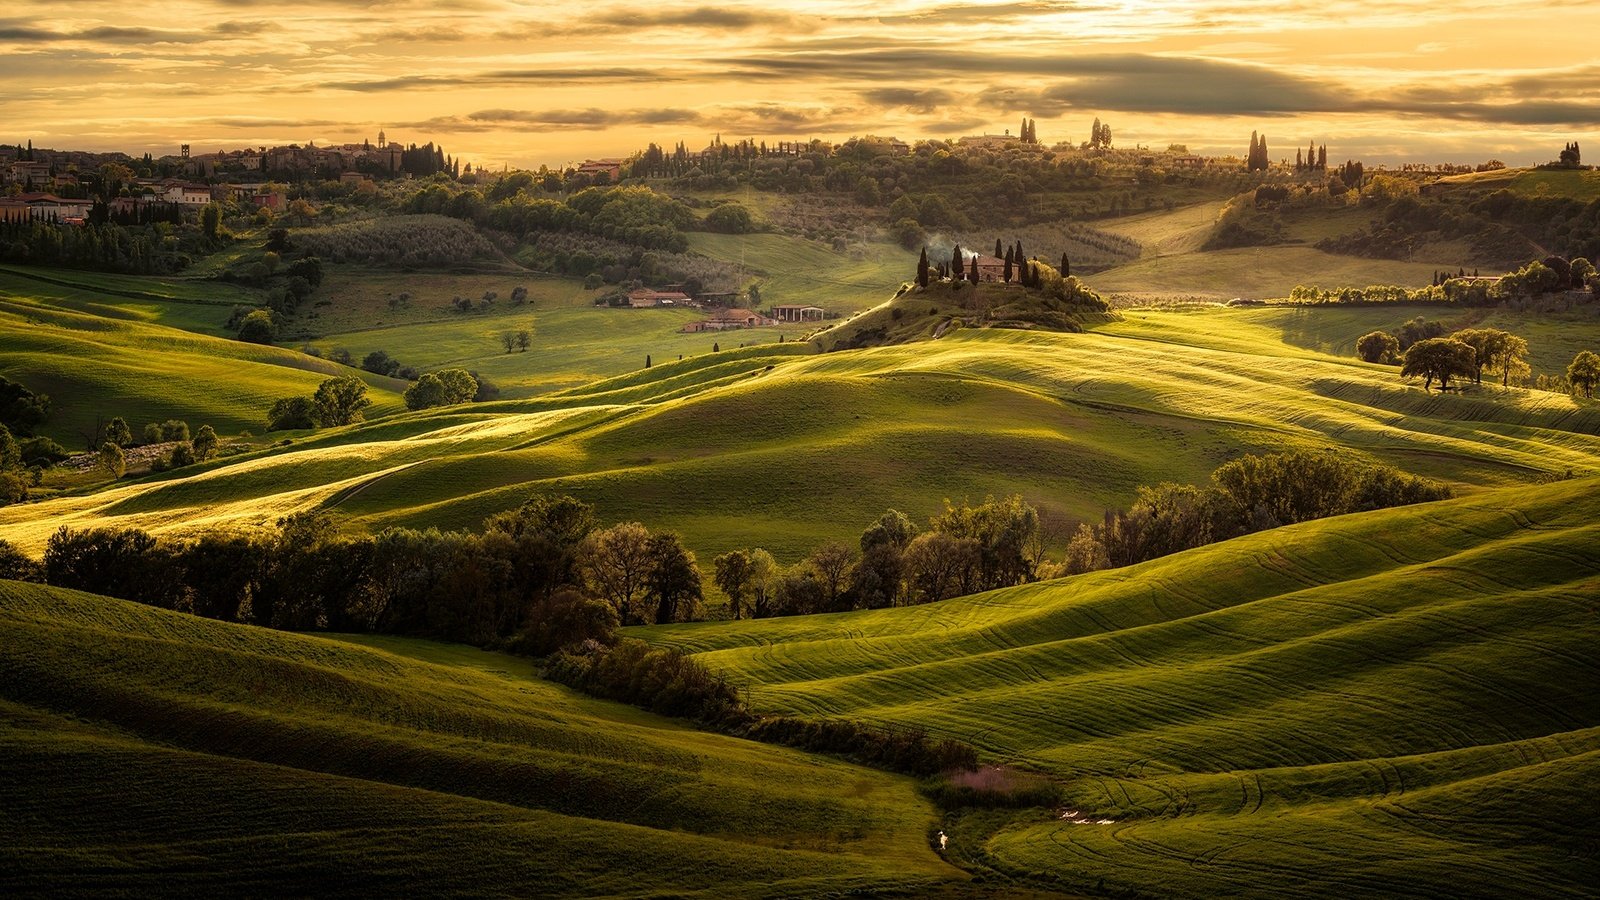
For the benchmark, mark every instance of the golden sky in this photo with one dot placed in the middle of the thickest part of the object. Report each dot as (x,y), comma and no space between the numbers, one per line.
(550,83)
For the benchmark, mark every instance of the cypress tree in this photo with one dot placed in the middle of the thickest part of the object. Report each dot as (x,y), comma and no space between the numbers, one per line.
(1018,252)
(922,269)
(997,248)
(1066,266)
(957,264)
(972,275)
(647,359)
(1008,267)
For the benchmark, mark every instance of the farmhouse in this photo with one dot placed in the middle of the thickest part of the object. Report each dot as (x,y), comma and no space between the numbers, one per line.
(993,269)
(726,319)
(644,298)
(797,313)
(1192,162)
(611,168)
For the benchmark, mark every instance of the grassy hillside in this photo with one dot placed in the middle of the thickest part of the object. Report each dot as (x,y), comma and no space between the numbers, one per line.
(793,270)
(1258,273)
(1574,183)
(108,355)
(152,752)
(777,447)
(1397,702)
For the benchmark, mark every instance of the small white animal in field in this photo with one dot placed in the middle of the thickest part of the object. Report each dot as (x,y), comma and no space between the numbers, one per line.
(943,841)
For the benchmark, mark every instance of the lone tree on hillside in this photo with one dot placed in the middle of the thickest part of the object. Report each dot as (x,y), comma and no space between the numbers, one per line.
(112,459)
(1379,347)
(1584,372)
(339,401)
(1439,358)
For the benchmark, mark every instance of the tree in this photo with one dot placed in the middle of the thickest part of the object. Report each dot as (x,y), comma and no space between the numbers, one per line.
(1439,358)
(210,220)
(958,262)
(672,583)
(830,562)
(21,410)
(1584,372)
(1495,350)
(893,529)
(508,340)
(112,459)
(459,385)
(1378,347)
(1066,266)
(378,362)
(647,360)
(257,328)
(174,430)
(867,191)
(524,340)
(117,432)
(716,347)
(615,563)
(426,392)
(339,401)
(291,414)
(733,572)
(204,443)
(972,274)
(519,295)
(922,269)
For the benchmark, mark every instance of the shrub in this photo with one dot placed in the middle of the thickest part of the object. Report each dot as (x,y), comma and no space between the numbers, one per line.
(730,218)
(258,328)
(292,414)
(1378,347)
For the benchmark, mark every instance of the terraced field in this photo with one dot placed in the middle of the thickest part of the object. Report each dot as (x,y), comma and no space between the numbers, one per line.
(153,752)
(1396,703)
(778,447)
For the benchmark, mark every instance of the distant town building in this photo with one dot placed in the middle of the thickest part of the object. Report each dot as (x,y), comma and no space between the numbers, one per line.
(728,319)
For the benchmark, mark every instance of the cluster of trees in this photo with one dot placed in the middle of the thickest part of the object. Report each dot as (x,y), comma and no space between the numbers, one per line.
(672,683)
(443,388)
(1099,135)
(337,401)
(21,412)
(538,578)
(965,549)
(1029,133)
(1571,156)
(1257,159)
(158,248)
(115,438)
(406,240)
(1312,159)
(633,215)
(1249,494)
(1552,274)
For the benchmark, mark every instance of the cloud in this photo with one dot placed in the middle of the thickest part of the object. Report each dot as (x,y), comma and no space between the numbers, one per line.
(511,76)
(918,100)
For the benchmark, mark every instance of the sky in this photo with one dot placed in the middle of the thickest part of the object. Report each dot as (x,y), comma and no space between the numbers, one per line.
(527,84)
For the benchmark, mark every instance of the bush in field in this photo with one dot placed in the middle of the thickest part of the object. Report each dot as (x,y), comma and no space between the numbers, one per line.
(292,414)
(445,388)
(257,328)
(1378,347)
(730,218)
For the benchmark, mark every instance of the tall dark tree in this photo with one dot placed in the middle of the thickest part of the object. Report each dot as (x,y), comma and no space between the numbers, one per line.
(972,274)
(997,251)
(958,263)
(1008,267)
(922,269)
(1066,266)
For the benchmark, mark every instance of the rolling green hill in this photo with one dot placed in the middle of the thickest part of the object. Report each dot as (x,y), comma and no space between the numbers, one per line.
(149,752)
(774,446)
(1396,703)
(101,355)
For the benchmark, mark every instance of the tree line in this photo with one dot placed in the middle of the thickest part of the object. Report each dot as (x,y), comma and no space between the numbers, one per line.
(1250,494)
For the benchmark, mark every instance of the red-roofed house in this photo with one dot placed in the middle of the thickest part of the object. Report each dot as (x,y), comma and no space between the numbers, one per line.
(727,319)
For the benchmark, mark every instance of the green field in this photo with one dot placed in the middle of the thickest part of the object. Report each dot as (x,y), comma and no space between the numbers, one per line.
(149,752)
(1258,273)
(147,360)
(1395,703)
(793,270)
(777,447)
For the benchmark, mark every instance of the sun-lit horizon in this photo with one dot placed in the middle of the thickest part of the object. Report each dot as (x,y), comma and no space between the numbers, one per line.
(529,84)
